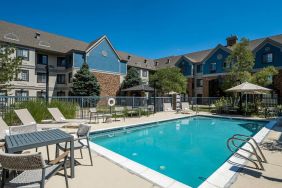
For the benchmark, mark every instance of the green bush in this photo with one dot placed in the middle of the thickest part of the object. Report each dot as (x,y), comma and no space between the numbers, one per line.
(39,111)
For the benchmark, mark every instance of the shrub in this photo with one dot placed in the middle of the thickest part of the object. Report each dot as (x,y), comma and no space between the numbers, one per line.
(68,109)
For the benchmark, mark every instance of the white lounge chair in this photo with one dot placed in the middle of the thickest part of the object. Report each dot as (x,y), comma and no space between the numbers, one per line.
(185,108)
(60,118)
(167,107)
(4,128)
(25,116)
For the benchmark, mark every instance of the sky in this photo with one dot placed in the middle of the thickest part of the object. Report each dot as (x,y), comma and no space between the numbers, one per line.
(150,28)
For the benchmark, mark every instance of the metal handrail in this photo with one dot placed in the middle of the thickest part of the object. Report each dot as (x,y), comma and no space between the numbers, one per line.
(246,139)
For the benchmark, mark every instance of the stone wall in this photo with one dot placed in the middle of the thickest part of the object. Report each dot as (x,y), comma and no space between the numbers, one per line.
(109,83)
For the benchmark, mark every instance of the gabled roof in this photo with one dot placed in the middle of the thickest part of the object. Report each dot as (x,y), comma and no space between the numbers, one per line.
(96,42)
(219,46)
(137,61)
(25,36)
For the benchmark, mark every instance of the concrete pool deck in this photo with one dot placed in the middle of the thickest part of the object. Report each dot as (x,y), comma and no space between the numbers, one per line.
(104,173)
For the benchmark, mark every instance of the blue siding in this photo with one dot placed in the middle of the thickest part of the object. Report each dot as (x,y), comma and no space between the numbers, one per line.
(214,59)
(123,68)
(78,59)
(277,56)
(186,67)
(100,62)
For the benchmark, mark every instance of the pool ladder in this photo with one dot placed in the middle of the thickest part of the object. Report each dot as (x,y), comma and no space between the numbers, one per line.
(255,149)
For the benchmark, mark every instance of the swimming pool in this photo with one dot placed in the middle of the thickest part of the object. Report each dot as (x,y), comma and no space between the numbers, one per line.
(188,150)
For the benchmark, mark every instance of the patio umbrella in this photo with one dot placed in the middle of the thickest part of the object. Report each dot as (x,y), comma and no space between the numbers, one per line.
(142,87)
(248,88)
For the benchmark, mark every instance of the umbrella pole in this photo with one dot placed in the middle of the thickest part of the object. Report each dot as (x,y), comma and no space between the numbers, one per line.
(246,103)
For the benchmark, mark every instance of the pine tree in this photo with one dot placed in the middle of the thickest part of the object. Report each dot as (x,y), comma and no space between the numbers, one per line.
(85,83)
(132,78)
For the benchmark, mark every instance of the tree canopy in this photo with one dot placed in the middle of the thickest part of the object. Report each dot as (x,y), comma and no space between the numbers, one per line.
(242,61)
(9,65)
(85,83)
(132,78)
(169,80)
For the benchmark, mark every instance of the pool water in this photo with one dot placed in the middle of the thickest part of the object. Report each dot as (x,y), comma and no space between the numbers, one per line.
(188,150)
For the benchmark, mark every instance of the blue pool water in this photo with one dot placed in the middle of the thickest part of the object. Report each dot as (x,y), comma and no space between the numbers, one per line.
(188,150)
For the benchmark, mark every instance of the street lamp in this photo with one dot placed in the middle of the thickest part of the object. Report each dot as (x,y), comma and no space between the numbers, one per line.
(47,67)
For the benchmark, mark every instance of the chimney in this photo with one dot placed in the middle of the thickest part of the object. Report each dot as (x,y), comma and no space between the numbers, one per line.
(232,40)
(37,35)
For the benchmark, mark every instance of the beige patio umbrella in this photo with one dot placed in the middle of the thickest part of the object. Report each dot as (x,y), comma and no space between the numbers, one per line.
(248,88)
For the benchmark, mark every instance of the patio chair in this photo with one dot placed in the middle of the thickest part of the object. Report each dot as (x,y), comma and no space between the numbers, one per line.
(119,111)
(130,111)
(34,171)
(60,118)
(81,134)
(93,111)
(25,116)
(13,130)
(167,107)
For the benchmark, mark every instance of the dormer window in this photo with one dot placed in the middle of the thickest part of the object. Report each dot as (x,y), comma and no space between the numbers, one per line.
(267,58)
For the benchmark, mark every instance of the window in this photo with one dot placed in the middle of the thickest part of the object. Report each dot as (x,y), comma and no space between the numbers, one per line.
(61,62)
(70,77)
(42,59)
(61,79)
(267,58)
(199,83)
(21,95)
(41,94)
(226,65)
(41,77)
(23,75)
(213,67)
(61,93)
(199,68)
(144,73)
(23,53)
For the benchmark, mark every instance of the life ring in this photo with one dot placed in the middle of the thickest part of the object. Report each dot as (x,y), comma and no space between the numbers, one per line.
(111,102)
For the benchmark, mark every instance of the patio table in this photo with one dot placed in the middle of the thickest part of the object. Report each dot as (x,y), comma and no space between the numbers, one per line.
(20,142)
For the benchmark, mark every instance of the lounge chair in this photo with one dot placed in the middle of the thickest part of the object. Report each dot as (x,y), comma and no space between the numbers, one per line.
(25,117)
(81,134)
(35,172)
(185,108)
(167,107)
(59,117)
(4,128)
(131,111)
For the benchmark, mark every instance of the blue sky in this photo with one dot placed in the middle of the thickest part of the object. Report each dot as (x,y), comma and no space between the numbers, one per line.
(150,28)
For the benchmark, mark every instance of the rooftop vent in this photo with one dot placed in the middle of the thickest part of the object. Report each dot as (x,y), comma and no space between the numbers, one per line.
(156,63)
(37,35)
(232,40)
(168,61)
(128,57)
(145,61)
(11,36)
